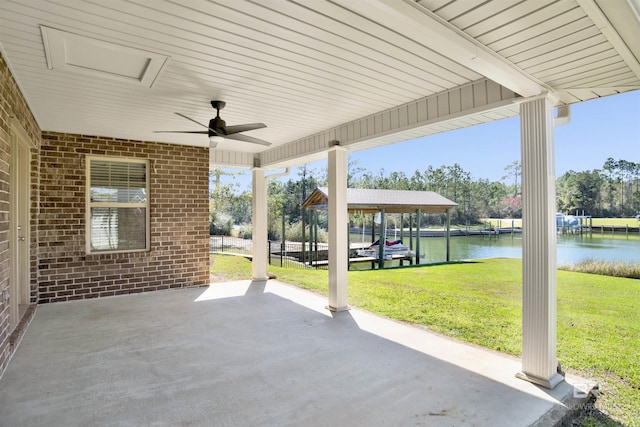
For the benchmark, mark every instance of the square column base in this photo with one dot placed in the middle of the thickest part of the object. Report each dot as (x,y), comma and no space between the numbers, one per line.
(338,309)
(269,276)
(546,383)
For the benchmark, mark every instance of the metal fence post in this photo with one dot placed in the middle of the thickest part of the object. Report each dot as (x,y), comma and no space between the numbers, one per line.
(382,241)
(448,234)
(303,214)
(282,239)
(418,236)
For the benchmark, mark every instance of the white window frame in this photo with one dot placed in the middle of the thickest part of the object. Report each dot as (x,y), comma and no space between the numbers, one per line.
(90,204)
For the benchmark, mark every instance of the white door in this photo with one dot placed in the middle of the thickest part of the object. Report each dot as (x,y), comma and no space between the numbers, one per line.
(19,232)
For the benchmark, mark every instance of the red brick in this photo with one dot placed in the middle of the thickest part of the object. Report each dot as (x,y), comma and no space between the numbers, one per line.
(60,268)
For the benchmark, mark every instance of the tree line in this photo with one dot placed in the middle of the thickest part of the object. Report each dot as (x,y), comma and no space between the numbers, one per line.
(611,191)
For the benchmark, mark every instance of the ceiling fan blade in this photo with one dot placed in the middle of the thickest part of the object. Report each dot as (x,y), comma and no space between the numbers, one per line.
(181,131)
(246,138)
(229,130)
(194,121)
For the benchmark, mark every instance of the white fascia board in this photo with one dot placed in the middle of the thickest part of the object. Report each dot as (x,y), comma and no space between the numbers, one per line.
(423,26)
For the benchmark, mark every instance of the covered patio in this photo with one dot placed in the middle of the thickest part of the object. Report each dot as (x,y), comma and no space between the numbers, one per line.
(86,86)
(256,354)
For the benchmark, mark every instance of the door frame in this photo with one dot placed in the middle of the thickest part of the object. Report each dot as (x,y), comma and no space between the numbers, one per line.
(19,223)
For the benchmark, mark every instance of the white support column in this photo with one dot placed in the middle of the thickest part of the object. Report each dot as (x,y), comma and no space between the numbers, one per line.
(259,224)
(338,229)
(539,363)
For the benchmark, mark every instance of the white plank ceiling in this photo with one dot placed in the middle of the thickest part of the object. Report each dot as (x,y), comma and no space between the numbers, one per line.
(305,66)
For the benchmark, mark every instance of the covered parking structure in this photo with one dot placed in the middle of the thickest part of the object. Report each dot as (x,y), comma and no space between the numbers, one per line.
(85,82)
(382,201)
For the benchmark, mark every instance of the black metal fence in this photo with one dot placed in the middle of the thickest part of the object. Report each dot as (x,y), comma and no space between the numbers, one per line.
(283,254)
(230,245)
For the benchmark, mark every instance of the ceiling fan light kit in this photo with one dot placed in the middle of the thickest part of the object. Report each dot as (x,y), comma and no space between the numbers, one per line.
(214,140)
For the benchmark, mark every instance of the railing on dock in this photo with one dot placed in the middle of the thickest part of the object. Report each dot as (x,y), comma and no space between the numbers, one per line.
(294,254)
(613,229)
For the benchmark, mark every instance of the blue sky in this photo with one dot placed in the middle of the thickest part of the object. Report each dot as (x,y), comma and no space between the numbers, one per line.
(601,128)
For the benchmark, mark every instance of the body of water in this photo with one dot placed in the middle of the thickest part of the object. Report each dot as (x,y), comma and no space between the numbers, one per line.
(571,248)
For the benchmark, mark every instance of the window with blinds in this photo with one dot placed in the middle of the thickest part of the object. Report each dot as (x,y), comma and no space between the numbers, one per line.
(117,205)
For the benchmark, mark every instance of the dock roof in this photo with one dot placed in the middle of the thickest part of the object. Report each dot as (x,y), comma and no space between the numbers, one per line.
(360,200)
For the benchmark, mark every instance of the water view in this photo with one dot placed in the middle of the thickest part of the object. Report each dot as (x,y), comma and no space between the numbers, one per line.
(571,248)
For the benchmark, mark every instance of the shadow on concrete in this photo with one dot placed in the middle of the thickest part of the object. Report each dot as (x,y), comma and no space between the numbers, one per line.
(252,354)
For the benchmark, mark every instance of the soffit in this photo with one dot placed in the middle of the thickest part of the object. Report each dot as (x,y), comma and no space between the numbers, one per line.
(580,49)
(303,67)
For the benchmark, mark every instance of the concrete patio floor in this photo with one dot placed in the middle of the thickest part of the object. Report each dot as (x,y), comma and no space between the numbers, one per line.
(261,354)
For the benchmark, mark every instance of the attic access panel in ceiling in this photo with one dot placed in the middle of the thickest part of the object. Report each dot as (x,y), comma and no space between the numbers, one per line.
(80,54)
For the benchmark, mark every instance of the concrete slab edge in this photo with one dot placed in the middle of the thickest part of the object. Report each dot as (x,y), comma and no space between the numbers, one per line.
(18,333)
(568,407)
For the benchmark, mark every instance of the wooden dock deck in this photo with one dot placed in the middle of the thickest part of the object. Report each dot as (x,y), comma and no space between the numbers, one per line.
(362,259)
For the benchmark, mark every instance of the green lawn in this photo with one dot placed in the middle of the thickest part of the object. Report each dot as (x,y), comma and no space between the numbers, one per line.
(620,222)
(480,302)
(502,222)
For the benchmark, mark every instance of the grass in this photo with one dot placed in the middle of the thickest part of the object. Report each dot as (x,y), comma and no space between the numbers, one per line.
(502,222)
(480,302)
(620,222)
(606,268)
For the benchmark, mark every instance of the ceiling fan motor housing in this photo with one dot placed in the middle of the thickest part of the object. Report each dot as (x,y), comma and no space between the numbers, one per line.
(218,125)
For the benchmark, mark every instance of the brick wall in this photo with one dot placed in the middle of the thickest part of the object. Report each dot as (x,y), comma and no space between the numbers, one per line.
(179,200)
(60,269)
(13,104)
